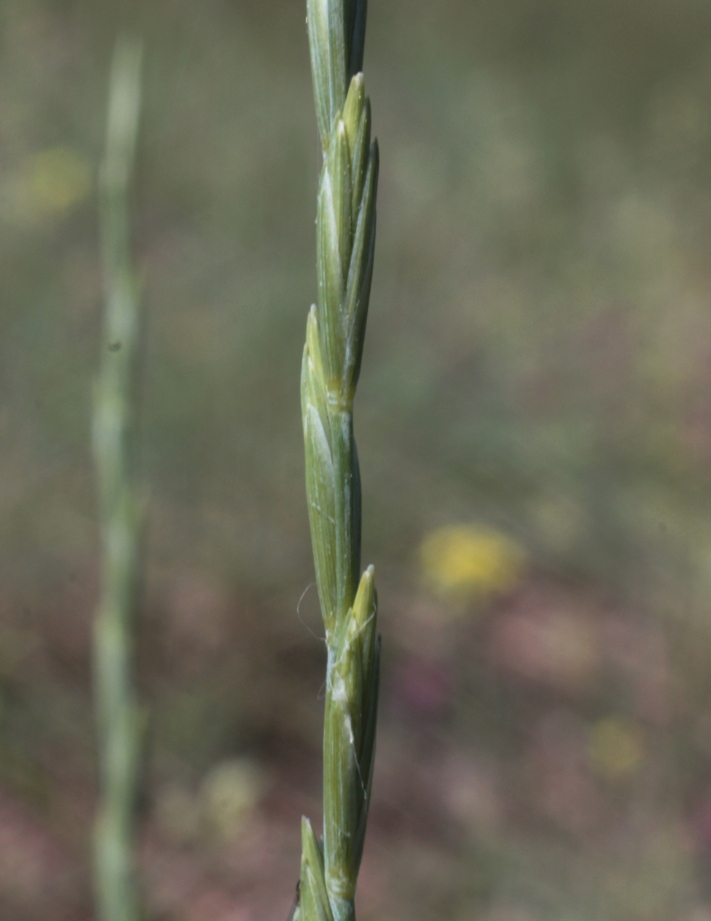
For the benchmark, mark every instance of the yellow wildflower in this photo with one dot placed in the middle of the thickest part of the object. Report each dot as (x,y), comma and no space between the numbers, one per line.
(50,182)
(464,562)
(616,748)
(229,794)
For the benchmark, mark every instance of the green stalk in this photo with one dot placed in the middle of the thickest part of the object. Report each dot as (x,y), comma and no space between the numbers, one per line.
(331,367)
(117,708)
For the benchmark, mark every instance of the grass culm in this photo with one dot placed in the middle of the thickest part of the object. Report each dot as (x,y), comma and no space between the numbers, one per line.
(118,714)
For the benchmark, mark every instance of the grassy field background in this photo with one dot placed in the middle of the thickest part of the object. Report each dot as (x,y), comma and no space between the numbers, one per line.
(534,427)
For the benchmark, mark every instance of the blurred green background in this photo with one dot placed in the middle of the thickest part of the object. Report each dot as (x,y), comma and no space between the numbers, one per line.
(534,426)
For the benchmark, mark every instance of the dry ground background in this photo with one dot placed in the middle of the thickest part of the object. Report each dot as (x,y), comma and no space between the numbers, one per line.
(538,368)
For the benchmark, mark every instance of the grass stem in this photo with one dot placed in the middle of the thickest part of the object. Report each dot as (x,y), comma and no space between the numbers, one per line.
(117,710)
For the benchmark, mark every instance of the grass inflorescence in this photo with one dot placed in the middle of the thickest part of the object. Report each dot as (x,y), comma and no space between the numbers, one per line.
(331,366)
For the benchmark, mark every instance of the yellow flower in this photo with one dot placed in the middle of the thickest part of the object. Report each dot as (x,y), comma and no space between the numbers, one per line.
(464,562)
(616,748)
(229,794)
(50,182)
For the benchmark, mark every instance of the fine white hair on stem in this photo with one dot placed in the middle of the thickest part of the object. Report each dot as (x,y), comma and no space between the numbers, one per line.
(321,639)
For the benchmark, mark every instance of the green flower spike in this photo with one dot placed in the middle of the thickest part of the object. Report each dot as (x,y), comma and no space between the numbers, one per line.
(335,335)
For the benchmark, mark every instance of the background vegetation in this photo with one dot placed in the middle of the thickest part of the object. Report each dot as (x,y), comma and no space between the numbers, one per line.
(537,382)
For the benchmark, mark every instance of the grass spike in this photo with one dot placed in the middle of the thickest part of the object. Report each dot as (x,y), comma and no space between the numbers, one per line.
(346,218)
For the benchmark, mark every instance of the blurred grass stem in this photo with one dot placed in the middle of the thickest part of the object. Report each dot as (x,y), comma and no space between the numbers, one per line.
(117,709)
